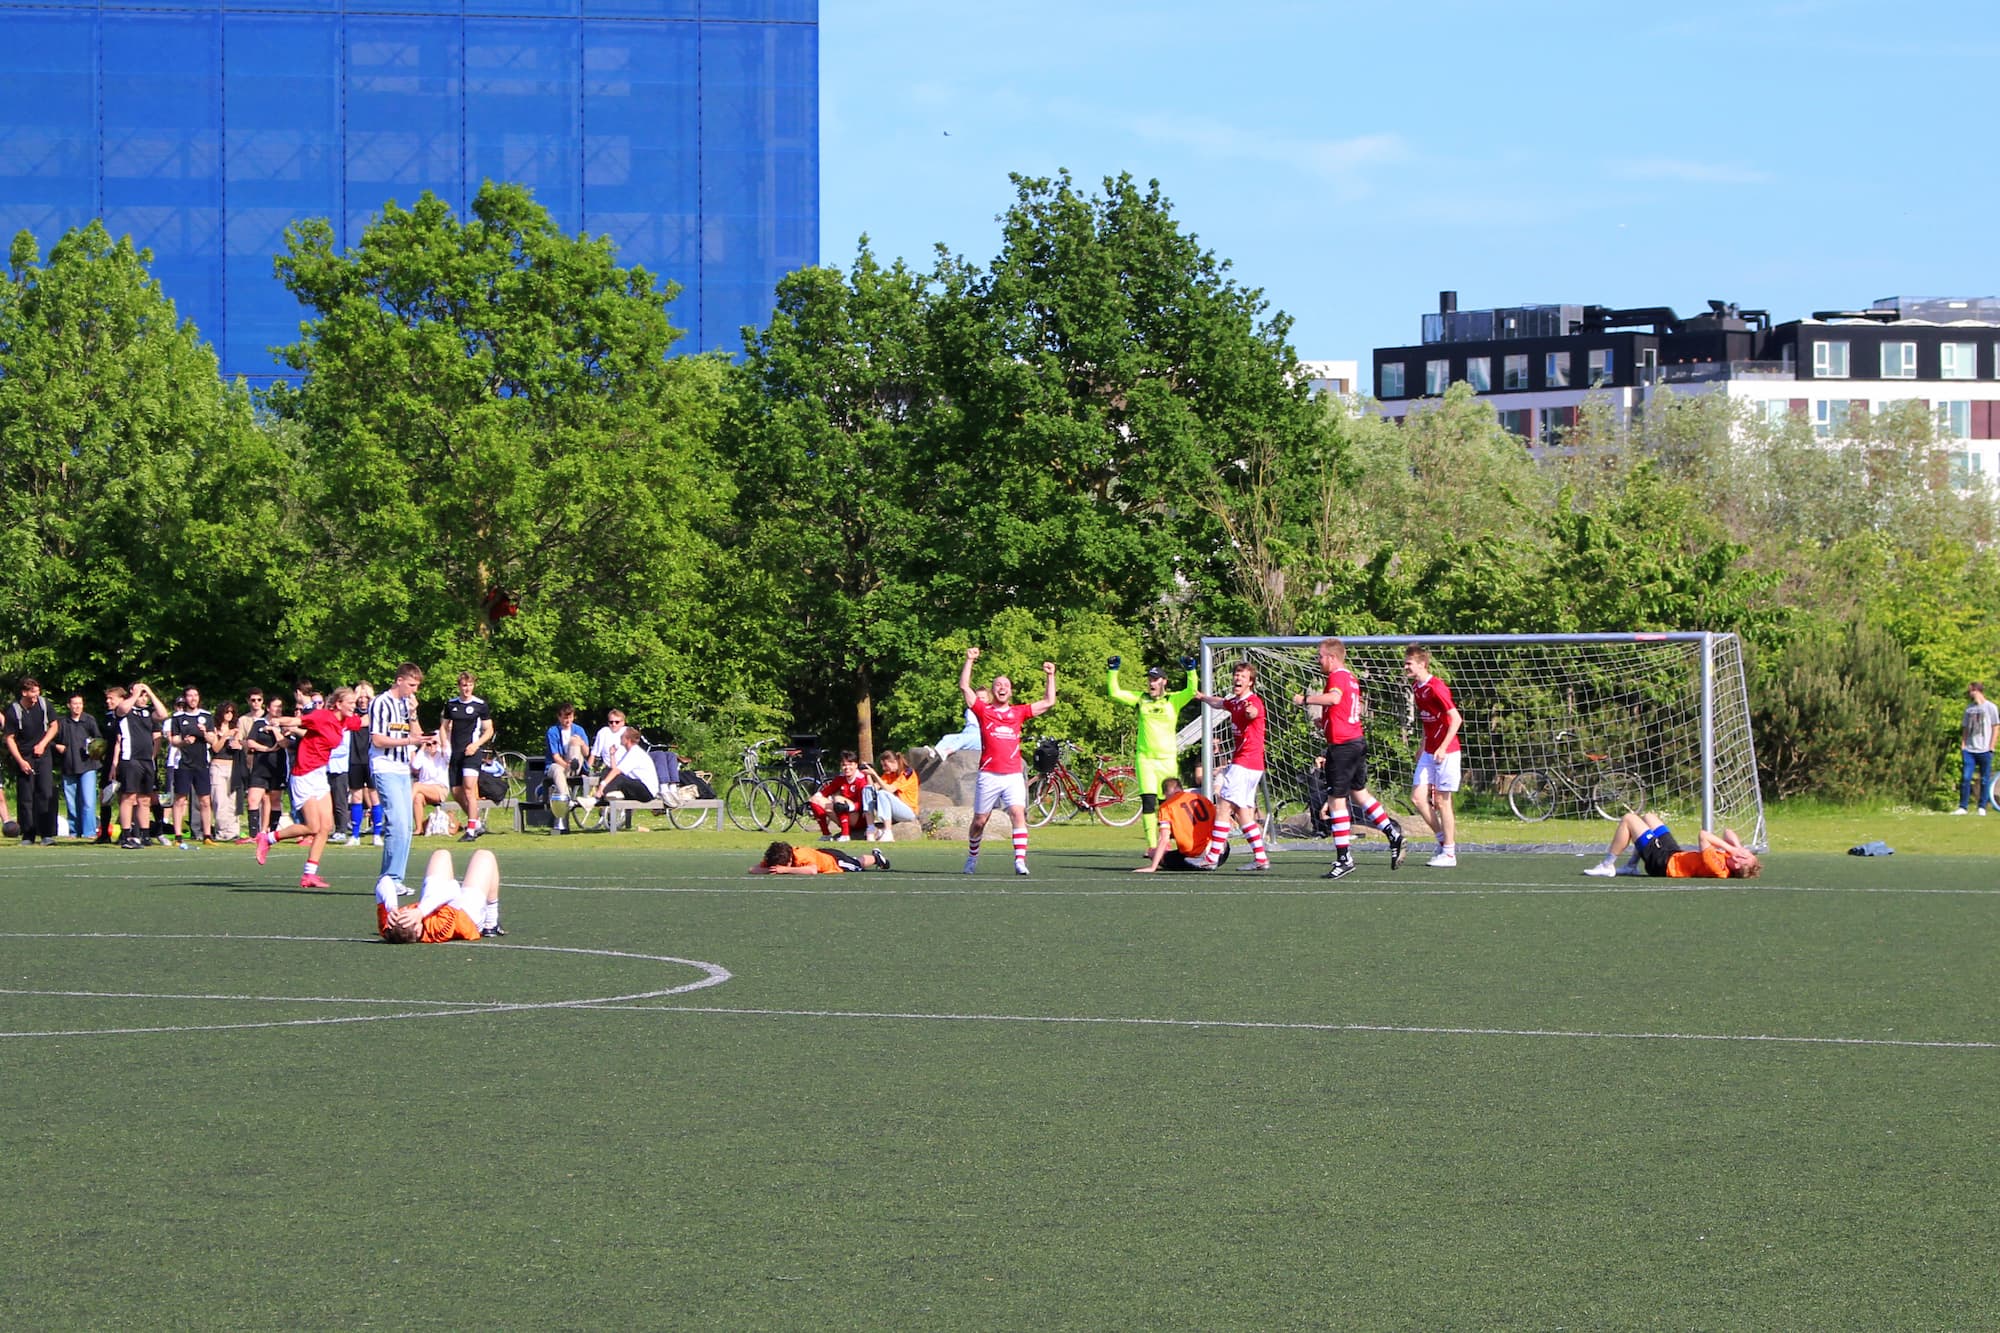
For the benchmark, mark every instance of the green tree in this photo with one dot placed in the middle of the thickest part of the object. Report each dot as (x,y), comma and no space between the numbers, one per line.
(142,522)
(505,472)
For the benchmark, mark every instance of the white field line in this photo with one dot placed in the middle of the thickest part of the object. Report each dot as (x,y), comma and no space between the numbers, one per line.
(1263,888)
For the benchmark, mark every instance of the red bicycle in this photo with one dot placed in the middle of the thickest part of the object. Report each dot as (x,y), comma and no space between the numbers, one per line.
(1112,793)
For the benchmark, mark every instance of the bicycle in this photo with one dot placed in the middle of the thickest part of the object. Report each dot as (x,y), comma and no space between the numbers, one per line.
(1112,794)
(1584,781)
(755,802)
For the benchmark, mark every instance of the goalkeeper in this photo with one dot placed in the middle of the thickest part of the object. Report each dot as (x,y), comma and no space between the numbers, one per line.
(1156,715)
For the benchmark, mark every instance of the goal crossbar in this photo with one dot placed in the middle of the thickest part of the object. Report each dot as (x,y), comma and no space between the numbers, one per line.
(1561,733)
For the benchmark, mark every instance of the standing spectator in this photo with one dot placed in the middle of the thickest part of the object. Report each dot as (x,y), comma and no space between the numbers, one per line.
(222,768)
(361,797)
(191,731)
(1975,749)
(31,730)
(569,760)
(76,733)
(134,748)
(393,727)
(1437,775)
(891,795)
(266,783)
(468,727)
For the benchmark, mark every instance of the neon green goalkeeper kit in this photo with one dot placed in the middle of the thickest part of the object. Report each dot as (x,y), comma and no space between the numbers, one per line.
(1157,752)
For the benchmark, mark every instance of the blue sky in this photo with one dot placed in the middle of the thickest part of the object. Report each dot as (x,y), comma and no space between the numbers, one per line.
(1352,160)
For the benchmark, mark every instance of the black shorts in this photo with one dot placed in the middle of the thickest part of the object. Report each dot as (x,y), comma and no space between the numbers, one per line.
(136,777)
(1655,845)
(192,780)
(460,761)
(359,778)
(267,771)
(1346,768)
(847,861)
(1176,859)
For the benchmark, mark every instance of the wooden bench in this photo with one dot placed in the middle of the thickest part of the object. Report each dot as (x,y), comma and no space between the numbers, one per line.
(620,812)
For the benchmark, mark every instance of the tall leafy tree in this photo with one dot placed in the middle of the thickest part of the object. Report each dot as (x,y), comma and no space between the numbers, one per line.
(506,472)
(142,525)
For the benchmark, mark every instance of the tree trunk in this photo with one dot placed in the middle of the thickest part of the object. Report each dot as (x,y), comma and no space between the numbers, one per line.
(864,715)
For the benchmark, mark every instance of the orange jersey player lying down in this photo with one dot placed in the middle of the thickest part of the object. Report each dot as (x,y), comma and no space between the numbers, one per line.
(781,858)
(1655,852)
(449,909)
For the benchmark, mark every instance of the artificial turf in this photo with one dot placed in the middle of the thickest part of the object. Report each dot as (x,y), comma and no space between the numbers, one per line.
(1498,1096)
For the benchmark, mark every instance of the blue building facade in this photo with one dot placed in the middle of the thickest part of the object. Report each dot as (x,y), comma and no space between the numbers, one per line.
(685,130)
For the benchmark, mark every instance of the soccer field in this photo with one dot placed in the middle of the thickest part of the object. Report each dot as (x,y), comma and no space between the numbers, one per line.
(1499,1096)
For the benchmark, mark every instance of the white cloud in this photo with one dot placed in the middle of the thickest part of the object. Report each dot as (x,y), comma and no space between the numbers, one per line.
(1680,171)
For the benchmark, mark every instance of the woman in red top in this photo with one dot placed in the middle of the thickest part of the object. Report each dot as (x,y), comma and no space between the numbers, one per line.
(311,792)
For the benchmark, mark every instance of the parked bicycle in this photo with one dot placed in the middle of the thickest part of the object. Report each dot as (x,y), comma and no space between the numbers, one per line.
(1584,779)
(1112,793)
(756,801)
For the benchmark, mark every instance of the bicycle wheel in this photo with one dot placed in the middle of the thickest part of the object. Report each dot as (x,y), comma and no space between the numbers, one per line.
(517,775)
(1044,795)
(737,804)
(1292,822)
(1616,792)
(681,817)
(1114,797)
(1533,796)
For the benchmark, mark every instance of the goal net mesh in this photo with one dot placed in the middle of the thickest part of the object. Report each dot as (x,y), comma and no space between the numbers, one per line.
(1560,736)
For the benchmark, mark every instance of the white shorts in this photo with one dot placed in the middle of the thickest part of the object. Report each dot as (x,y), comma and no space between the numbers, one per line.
(1239,786)
(999,791)
(309,786)
(471,904)
(1441,773)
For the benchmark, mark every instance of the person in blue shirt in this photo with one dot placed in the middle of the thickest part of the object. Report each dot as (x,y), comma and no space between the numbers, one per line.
(569,758)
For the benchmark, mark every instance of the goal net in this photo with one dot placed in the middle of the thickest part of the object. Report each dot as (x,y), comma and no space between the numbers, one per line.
(1562,733)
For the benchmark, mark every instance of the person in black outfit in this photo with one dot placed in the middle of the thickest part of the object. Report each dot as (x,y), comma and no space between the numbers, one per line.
(76,733)
(191,731)
(31,731)
(135,745)
(468,724)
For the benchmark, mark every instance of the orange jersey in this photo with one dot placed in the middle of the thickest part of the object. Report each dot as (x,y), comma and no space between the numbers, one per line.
(445,924)
(904,786)
(1713,864)
(1190,817)
(824,862)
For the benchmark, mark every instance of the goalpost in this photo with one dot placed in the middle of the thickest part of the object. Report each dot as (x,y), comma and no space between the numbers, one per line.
(1562,733)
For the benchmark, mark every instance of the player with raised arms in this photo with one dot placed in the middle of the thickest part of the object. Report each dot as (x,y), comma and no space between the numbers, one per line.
(1187,819)
(1437,775)
(1236,792)
(1346,762)
(1156,751)
(1000,783)
(312,792)
(450,909)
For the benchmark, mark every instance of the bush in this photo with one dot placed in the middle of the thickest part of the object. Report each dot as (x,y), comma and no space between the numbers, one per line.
(1840,714)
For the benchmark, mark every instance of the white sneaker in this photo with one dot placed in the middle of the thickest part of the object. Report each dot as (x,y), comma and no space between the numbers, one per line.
(1982,812)
(1603,869)
(1961,810)
(843,838)
(378,840)
(971,864)
(1443,861)
(888,835)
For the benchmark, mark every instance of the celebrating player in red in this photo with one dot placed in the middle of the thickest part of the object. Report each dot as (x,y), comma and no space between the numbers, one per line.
(1236,792)
(311,794)
(839,798)
(1001,782)
(1437,774)
(1346,763)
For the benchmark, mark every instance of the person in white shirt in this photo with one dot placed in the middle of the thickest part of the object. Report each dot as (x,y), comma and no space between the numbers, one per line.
(610,739)
(1975,750)
(430,784)
(632,776)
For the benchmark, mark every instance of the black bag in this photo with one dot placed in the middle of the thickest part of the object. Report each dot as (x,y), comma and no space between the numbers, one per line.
(1048,753)
(492,786)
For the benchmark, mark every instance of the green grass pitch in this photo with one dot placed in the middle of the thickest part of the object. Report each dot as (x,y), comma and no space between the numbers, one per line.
(1500,1096)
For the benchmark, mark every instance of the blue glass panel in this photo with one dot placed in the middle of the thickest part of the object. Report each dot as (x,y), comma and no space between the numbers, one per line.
(642,9)
(281,163)
(404,6)
(522,101)
(163,4)
(403,115)
(48,125)
(641,162)
(540,8)
(312,6)
(760,175)
(779,11)
(163,151)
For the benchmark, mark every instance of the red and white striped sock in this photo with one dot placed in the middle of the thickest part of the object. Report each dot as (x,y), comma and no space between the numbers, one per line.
(972,846)
(1020,847)
(1218,838)
(1375,816)
(1255,833)
(1343,834)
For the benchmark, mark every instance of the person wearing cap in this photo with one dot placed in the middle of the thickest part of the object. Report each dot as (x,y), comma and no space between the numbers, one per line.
(1156,715)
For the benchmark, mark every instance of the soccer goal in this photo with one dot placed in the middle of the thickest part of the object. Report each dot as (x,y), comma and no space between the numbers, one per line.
(1562,733)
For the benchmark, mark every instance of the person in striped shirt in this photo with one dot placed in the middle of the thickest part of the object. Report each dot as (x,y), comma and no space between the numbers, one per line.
(393,728)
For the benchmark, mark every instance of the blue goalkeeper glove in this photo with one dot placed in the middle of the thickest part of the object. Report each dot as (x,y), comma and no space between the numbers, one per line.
(1187,664)
(1115,662)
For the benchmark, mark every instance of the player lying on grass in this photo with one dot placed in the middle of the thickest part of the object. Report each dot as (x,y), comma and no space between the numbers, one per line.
(1187,820)
(450,909)
(782,858)
(1721,856)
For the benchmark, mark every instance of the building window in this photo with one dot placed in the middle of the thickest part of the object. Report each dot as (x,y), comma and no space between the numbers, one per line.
(1555,370)
(1830,416)
(1514,372)
(1437,378)
(1392,379)
(1966,468)
(1515,423)
(1959,361)
(1899,361)
(1550,420)
(1777,411)
(1954,420)
(1479,372)
(1600,367)
(1829,361)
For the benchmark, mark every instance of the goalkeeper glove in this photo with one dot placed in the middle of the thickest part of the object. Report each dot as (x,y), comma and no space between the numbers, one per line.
(1187,664)
(1114,663)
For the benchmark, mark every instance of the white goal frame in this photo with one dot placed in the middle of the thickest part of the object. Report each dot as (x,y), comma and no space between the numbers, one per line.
(1668,712)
